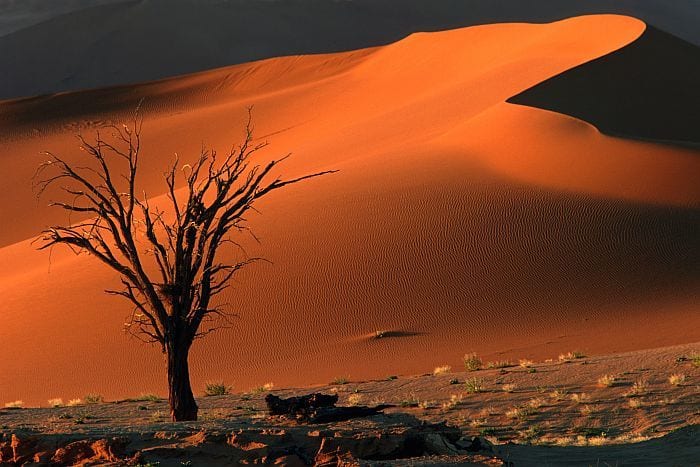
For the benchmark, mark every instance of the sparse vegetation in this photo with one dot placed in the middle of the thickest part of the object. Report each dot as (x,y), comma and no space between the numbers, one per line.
(638,388)
(75,402)
(216,389)
(147,397)
(341,380)
(500,364)
(559,394)
(93,399)
(355,399)
(525,363)
(520,412)
(441,370)
(677,379)
(267,387)
(536,402)
(411,401)
(58,402)
(580,398)
(607,381)
(472,362)
(635,403)
(453,402)
(14,405)
(474,385)
(571,356)
(510,387)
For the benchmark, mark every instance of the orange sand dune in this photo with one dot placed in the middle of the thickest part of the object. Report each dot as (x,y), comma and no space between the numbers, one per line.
(457,220)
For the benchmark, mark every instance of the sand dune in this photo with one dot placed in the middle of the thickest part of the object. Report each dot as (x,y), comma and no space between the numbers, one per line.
(120,42)
(661,102)
(457,220)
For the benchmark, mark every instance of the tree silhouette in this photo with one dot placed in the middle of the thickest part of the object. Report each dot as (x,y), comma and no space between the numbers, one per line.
(173,281)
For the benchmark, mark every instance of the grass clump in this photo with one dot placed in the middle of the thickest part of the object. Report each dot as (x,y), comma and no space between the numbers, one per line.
(93,399)
(559,394)
(580,397)
(441,370)
(147,397)
(639,388)
(267,387)
(14,405)
(216,389)
(500,364)
(676,379)
(57,402)
(76,402)
(510,387)
(355,399)
(472,362)
(607,381)
(520,412)
(525,363)
(341,380)
(474,385)
(571,356)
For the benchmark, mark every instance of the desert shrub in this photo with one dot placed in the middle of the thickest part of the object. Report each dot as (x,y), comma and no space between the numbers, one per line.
(354,399)
(216,389)
(638,388)
(472,362)
(341,380)
(57,402)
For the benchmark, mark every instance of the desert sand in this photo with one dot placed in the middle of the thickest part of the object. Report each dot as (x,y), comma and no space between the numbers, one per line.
(457,222)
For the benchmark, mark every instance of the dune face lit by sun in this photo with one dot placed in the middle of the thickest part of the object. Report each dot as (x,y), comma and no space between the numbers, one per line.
(458,220)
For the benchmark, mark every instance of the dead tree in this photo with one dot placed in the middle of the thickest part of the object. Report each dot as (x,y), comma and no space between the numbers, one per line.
(183,237)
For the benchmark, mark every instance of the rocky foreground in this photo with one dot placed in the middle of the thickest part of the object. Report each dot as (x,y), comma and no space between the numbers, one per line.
(640,408)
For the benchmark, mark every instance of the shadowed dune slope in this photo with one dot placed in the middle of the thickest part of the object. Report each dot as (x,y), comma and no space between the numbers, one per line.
(647,90)
(458,222)
(113,42)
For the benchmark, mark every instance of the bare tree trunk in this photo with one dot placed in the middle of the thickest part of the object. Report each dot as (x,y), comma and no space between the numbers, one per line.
(182,404)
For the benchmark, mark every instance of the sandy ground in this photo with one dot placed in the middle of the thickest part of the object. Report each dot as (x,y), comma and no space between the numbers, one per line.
(542,413)
(457,222)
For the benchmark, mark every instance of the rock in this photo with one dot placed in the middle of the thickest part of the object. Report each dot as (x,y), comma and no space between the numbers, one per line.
(317,408)
(474,444)
(108,450)
(73,453)
(291,460)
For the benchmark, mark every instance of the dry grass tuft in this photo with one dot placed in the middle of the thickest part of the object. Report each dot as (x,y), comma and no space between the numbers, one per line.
(474,385)
(216,389)
(571,356)
(442,370)
(500,364)
(92,399)
(525,363)
(472,362)
(559,394)
(355,399)
(57,402)
(607,381)
(510,387)
(580,398)
(14,405)
(677,379)
(76,402)
(639,388)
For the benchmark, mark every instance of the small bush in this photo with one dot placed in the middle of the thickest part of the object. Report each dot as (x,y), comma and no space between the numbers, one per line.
(216,389)
(607,381)
(472,362)
(93,399)
(58,402)
(14,405)
(340,380)
(441,370)
(676,379)
(474,385)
